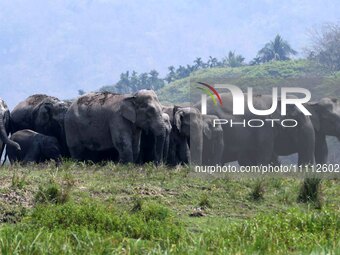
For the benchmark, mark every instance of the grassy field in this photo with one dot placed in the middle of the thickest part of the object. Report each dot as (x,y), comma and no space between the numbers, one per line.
(126,209)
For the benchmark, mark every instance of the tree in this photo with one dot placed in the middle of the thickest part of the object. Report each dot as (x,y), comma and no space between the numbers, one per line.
(123,85)
(171,76)
(212,62)
(155,82)
(255,61)
(233,60)
(81,92)
(278,49)
(108,88)
(325,46)
(198,63)
(182,72)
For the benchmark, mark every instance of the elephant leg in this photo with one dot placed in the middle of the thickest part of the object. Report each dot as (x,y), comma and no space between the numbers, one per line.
(171,160)
(247,158)
(275,160)
(321,149)
(124,145)
(33,154)
(183,152)
(228,156)
(306,145)
(77,152)
(217,150)
(136,145)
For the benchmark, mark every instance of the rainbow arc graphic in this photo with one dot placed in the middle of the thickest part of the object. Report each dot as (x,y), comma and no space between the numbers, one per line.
(210,91)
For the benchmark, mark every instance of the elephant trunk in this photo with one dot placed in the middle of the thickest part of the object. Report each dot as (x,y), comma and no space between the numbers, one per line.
(196,145)
(159,132)
(166,146)
(3,134)
(159,148)
(64,148)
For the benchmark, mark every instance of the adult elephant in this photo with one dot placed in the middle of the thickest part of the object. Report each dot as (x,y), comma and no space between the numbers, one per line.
(213,144)
(326,121)
(43,114)
(35,148)
(5,129)
(257,145)
(147,143)
(103,121)
(186,137)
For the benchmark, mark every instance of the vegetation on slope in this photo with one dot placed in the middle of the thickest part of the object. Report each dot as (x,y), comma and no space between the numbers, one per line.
(293,73)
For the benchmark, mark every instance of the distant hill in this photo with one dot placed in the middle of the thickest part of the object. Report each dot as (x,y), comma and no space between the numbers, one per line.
(294,73)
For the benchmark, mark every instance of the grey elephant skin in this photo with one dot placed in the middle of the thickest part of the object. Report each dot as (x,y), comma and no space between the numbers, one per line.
(5,128)
(261,145)
(43,114)
(35,148)
(213,144)
(104,122)
(326,122)
(147,143)
(186,136)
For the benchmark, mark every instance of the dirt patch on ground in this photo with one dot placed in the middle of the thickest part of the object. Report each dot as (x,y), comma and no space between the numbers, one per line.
(17,197)
(14,205)
(148,191)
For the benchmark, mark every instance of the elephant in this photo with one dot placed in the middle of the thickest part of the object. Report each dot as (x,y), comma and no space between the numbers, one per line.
(103,121)
(147,143)
(5,129)
(213,144)
(43,114)
(259,145)
(186,136)
(35,148)
(326,122)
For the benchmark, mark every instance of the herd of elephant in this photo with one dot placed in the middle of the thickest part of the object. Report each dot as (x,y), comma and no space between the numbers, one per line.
(102,126)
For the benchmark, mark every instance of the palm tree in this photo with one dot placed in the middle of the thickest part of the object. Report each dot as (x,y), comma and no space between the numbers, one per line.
(233,60)
(278,49)
(171,76)
(198,63)
(212,62)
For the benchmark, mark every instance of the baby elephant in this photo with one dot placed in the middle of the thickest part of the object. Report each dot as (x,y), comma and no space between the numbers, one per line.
(35,147)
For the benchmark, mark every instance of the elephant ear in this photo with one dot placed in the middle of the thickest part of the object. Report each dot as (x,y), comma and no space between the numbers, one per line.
(128,109)
(207,132)
(315,111)
(178,119)
(42,113)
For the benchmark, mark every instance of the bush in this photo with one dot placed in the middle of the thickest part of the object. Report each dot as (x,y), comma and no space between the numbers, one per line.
(52,193)
(258,191)
(310,192)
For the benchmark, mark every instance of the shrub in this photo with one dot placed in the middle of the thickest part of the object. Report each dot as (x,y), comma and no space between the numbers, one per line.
(205,202)
(52,193)
(258,191)
(310,192)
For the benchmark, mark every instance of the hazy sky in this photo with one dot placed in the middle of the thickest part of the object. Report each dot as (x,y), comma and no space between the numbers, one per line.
(58,46)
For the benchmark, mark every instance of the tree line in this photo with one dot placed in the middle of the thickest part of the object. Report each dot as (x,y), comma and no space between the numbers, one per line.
(323,49)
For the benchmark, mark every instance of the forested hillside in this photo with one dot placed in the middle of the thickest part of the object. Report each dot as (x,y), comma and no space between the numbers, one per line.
(293,73)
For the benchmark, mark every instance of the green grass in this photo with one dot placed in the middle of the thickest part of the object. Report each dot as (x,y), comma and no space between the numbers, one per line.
(127,209)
